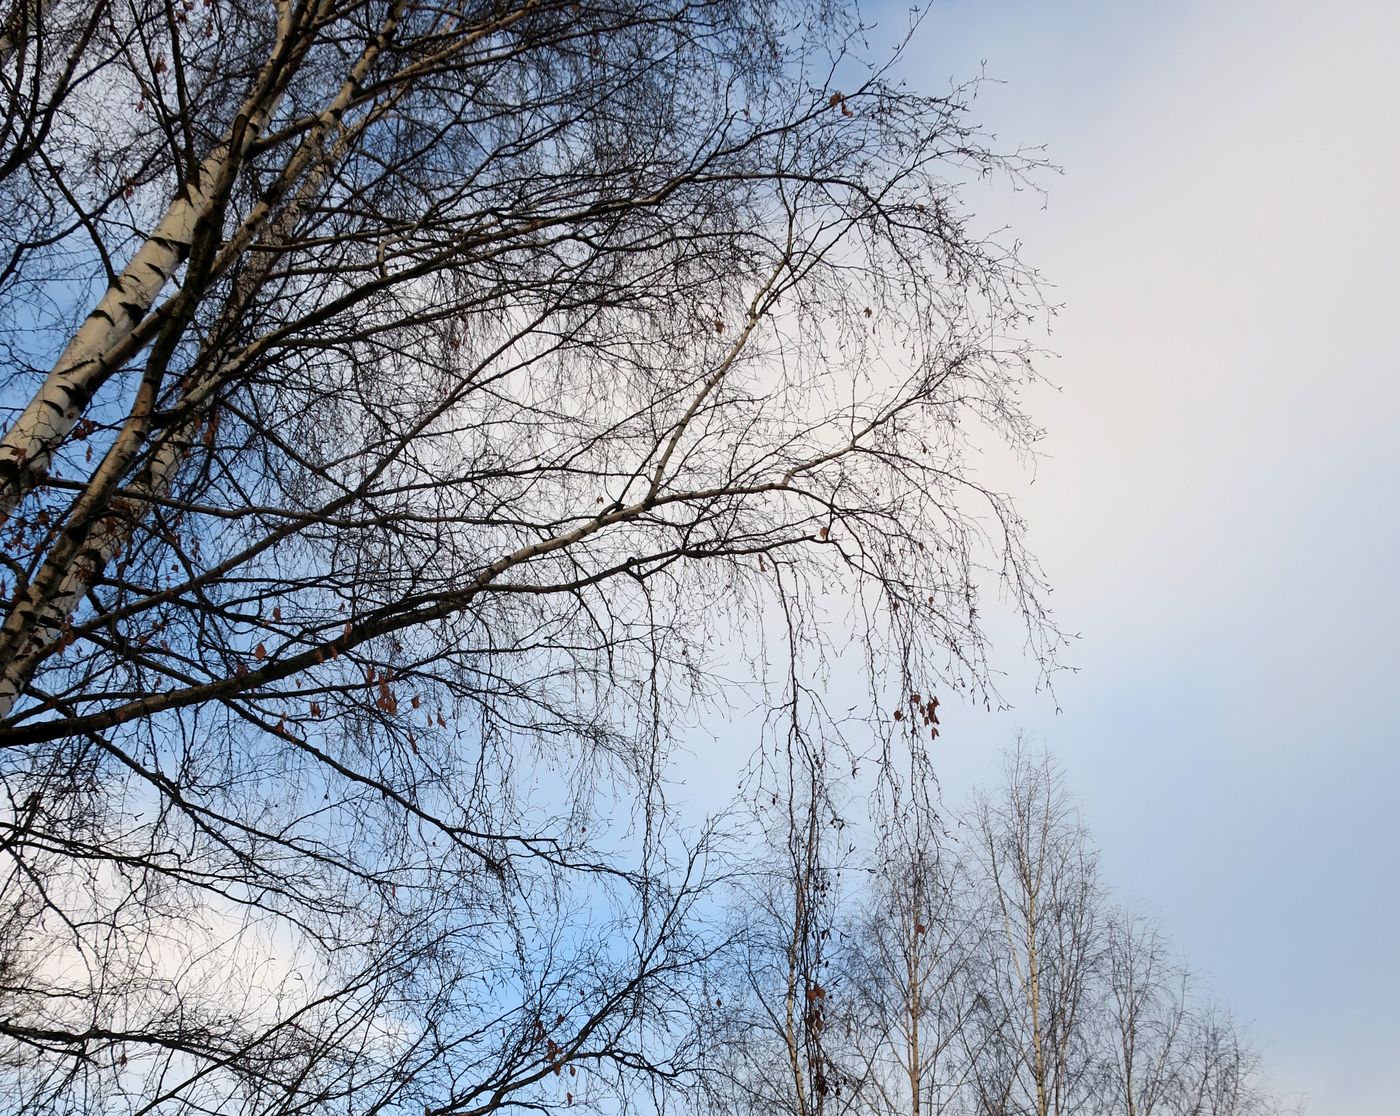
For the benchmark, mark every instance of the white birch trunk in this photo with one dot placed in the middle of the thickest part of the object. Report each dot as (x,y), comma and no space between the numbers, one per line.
(46,620)
(35,628)
(28,446)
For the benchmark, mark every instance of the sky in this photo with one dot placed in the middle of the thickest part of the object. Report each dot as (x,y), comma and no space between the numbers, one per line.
(1216,501)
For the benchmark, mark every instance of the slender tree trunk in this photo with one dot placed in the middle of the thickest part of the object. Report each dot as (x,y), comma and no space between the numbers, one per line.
(915,1006)
(1042,1103)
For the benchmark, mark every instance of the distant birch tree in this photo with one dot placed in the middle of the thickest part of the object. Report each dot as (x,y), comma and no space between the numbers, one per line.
(990,975)
(1147,1017)
(1036,983)
(910,958)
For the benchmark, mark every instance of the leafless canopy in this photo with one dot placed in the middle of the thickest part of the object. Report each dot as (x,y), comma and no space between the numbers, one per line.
(401,402)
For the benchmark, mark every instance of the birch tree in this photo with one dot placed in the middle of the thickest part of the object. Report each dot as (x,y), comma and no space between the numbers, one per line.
(400,403)
(788,1005)
(1149,1018)
(911,958)
(1169,1050)
(1037,981)
(983,971)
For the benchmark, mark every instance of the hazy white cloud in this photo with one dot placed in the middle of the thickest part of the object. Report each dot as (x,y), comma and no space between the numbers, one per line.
(1216,507)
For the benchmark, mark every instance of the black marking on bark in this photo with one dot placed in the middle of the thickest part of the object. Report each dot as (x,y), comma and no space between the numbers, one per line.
(181,248)
(79,394)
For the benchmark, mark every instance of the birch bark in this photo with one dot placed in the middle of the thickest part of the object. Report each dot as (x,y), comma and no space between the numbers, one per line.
(94,352)
(36,627)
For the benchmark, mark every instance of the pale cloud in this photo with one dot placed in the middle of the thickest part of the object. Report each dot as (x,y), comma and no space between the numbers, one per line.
(1216,507)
